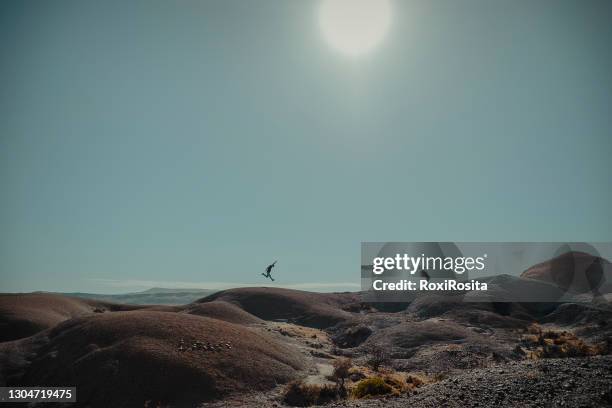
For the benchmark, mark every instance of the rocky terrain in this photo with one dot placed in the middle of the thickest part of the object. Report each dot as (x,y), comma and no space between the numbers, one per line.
(544,383)
(251,346)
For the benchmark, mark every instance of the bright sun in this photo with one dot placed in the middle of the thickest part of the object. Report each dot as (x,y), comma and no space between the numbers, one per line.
(354,27)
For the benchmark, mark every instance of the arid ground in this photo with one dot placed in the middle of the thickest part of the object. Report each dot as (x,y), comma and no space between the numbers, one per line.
(278,347)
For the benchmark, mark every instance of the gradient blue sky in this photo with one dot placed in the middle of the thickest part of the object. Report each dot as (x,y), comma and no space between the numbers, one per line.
(189,143)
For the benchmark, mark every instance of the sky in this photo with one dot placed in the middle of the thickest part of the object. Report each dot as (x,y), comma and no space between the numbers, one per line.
(190,143)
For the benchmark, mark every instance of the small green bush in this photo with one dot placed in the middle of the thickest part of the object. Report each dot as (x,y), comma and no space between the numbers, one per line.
(371,387)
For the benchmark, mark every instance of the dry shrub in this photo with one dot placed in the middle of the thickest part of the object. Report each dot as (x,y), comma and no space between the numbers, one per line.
(342,367)
(395,381)
(386,383)
(371,387)
(557,344)
(402,382)
(414,381)
(356,374)
(327,394)
(300,394)
(377,357)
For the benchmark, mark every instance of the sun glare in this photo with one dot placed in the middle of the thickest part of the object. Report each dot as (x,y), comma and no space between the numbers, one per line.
(354,27)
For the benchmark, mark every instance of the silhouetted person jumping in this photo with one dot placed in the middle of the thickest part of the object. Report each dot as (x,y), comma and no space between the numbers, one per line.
(269,271)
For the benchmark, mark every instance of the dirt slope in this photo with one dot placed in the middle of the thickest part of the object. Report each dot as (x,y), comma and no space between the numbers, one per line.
(124,359)
(22,315)
(319,310)
(221,310)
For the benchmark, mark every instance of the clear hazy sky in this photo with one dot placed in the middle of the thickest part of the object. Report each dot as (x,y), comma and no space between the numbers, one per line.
(178,143)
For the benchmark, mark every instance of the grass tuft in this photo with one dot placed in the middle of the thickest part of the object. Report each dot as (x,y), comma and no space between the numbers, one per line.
(371,387)
(300,394)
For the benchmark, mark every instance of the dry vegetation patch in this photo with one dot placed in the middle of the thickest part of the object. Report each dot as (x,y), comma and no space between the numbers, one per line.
(395,383)
(372,387)
(539,343)
(301,394)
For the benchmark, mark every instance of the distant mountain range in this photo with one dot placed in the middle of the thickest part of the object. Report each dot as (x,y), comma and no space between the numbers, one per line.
(153,296)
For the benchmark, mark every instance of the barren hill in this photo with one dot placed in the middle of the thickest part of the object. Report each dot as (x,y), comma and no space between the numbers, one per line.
(310,309)
(124,359)
(577,272)
(22,315)
(241,346)
(218,309)
(152,296)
